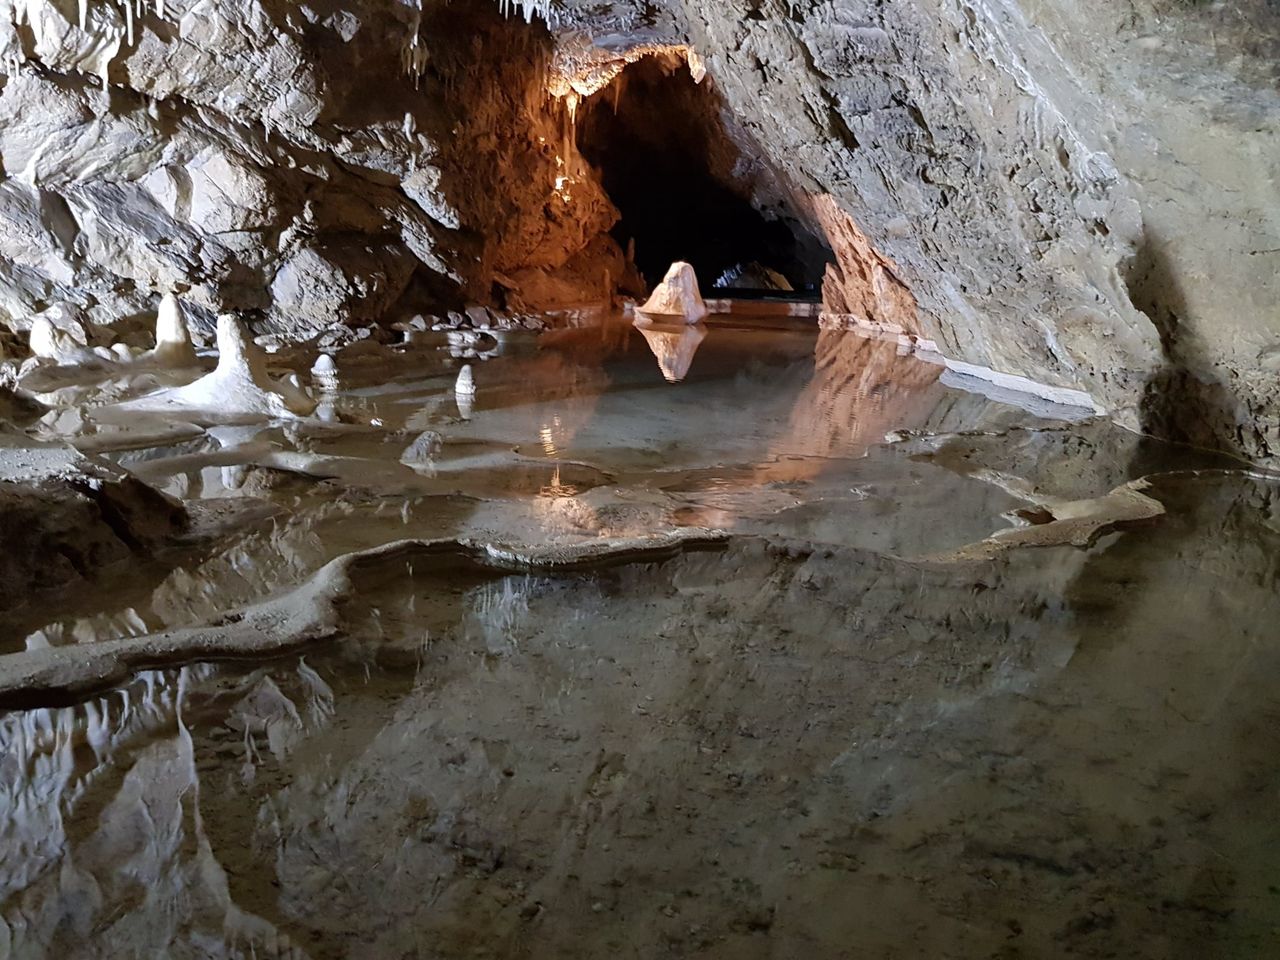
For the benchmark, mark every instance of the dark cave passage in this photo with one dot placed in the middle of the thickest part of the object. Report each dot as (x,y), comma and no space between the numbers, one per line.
(689,187)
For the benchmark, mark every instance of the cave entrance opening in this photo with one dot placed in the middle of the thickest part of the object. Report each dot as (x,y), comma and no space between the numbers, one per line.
(691,185)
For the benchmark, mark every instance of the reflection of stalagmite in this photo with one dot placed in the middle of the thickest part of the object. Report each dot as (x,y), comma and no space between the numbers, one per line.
(173,339)
(677,296)
(674,347)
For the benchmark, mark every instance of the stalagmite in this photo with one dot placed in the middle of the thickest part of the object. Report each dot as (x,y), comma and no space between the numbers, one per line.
(173,339)
(464,392)
(677,296)
(325,371)
(465,386)
(324,377)
(239,386)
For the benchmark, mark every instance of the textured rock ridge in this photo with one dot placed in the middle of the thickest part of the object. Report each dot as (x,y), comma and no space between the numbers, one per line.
(276,158)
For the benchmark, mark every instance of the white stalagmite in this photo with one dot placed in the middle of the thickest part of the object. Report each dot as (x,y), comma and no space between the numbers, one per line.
(677,296)
(325,370)
(464,391)
(173,339)
(239,386)
(324,377)
(466,382)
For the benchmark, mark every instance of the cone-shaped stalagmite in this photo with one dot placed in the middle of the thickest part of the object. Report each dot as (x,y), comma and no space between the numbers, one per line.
(677,296)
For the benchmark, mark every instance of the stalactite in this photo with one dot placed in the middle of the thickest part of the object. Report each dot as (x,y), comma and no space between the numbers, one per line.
(531,8)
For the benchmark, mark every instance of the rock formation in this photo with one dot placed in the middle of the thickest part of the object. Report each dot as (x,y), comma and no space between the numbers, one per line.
(239,386)
(65,517)
(677,296)
(173,339)
(465,385)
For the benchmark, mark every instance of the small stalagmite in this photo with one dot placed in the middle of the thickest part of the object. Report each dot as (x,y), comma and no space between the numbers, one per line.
(465,386)
(677,296)
(324,377)
(464,391)
(173,339)
(324,372)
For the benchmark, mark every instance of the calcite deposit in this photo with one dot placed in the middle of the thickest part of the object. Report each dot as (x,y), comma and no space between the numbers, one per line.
(677,296)
(239,386)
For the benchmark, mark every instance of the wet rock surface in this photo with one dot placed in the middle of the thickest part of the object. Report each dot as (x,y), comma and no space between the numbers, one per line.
(65,519)
(763,749)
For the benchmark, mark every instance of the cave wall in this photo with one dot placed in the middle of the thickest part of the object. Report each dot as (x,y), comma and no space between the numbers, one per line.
(1085,195)
(277,157)
(1080,194)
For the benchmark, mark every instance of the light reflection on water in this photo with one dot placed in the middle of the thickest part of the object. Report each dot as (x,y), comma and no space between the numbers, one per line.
(577,434)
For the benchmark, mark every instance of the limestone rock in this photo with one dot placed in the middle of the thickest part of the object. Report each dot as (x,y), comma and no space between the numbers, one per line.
(423,452)
(677,296)
(1038,192)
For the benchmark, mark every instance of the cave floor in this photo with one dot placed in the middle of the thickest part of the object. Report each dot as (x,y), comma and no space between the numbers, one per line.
(828,732)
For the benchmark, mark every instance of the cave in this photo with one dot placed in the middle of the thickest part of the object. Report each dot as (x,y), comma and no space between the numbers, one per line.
(691,184)
(389,570)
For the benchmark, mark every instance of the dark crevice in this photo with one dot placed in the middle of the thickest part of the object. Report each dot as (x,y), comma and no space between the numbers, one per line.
(688,188)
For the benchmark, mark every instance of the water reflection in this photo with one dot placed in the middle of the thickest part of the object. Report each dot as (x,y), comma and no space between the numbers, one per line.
(674,345)
(861,389)
(571,436)
(760,750)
